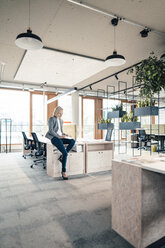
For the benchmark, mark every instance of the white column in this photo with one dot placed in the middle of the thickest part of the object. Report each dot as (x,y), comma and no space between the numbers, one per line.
(75,112)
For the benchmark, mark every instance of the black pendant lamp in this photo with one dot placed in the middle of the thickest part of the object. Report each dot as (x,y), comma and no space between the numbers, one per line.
(115,59)
(28,40)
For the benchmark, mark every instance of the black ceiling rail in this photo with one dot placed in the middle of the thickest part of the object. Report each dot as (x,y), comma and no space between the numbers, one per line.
(98,81)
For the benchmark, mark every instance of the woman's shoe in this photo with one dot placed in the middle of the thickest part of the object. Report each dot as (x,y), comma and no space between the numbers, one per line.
(64,176)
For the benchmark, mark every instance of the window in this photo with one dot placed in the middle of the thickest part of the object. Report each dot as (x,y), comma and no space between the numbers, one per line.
(15,106)
(108,104)
(88,119)
(39,110)
(66,103)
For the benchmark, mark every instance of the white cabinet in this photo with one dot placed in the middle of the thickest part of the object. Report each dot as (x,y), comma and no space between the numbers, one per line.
(95,156)
(75,162)
(99,156)
(53,165)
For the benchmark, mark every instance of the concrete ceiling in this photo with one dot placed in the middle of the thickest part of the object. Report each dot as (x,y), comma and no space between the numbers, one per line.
(66,26)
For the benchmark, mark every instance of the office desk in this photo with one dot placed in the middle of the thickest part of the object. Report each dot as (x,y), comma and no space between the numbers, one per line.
(41,139)
(98,155)
(161,138)
(95,156)
(138,199)
(75,161)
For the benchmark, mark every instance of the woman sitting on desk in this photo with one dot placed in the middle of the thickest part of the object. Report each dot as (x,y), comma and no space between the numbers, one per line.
(58,138)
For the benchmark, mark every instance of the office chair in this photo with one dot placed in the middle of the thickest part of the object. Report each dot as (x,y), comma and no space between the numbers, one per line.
(40,151)
(28,145)
(143,138)
(109,134)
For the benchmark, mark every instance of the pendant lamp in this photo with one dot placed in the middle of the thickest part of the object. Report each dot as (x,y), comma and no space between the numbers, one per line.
(115,59)
(28,40)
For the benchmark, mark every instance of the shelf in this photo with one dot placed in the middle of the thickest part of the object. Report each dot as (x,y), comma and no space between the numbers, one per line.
(116,114)
(129,125)
(105,126)
(146,111)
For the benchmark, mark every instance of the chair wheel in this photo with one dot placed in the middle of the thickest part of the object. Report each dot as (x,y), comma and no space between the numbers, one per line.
(31,166)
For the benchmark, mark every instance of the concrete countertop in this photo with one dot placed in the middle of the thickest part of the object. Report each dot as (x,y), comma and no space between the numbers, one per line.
(151,163)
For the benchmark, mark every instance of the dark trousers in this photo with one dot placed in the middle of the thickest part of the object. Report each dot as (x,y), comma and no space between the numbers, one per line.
(59,143)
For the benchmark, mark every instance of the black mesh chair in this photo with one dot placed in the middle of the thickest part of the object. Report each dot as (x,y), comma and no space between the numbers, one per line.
(28,145)
(143,140)
(40,153)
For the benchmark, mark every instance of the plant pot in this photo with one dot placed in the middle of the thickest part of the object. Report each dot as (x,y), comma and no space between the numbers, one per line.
(102,126)
(144,111)
(116,114)
(129,125)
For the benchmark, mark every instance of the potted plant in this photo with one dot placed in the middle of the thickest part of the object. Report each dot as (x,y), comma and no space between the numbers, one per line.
(129,122)
(150,74)
(146,107)
(117,111)
(105,124)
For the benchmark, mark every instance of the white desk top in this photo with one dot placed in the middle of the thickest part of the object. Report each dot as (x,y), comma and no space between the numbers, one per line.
(41,139)
(151,163)
(97,142)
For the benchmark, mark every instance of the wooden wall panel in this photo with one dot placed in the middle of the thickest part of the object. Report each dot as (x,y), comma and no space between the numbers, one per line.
(51,106)
(98,116)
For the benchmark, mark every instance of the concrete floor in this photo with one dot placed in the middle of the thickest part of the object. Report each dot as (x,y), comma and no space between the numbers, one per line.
(38,211)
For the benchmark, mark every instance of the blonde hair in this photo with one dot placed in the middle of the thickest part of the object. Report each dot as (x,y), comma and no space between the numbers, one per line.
(57,110)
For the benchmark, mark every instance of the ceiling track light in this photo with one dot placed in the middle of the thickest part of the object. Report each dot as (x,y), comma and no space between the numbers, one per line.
(90,87)
(116,76)
(43,84)
(28,40)
(123,19)
(115,59)
(144,32)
